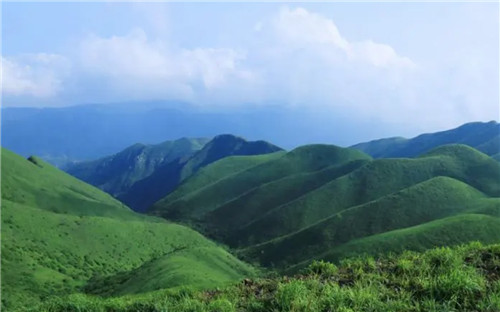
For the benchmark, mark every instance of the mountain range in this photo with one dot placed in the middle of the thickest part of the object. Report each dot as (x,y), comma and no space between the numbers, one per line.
(61,135)
(140,175)
(316,199)
(215,211)
(483,136)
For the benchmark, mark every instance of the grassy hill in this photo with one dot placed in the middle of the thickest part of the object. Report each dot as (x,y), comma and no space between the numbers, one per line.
(117,173)
(318,198)
(61,236)
(464,278)
(304,159)
(431,200)
(483,136)
(34,183)
(166,178)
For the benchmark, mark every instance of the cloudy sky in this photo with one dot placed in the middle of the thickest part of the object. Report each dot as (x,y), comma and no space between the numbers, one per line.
(414,66)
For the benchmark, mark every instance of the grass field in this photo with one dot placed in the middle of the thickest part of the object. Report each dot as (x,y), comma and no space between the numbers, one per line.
(464,278)
(61,236)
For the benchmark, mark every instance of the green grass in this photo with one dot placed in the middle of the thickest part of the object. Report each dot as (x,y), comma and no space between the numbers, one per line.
(167,177)
(464,278)
(304,159)
(317,198)
(219,170)
(450,231)
(37,184)
(196,267)
(62,236)
(424,202)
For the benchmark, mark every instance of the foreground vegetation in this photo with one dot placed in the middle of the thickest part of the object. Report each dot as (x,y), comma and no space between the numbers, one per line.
(465,278)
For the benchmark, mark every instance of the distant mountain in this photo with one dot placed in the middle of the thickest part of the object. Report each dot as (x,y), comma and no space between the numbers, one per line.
(62,236)
(483,136)
(86,132)
(117,173)
(310,202)
(167,177)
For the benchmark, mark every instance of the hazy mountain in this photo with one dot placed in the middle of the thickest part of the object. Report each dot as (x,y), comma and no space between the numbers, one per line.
(166,178)
(483,136)
(87,132)
(117,173)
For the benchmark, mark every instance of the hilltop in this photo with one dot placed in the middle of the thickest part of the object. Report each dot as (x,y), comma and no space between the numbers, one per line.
(483,136)
(115,174)
(167,177)
(310,202)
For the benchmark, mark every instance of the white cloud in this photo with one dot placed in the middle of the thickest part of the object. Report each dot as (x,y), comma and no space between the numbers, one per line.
(303,29)
(292,57)
(37,75)
(138,62)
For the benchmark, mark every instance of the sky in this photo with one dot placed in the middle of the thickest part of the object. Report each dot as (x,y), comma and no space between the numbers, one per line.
(407,67)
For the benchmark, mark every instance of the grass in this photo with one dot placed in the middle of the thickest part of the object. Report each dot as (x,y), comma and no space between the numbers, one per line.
(219,170)
(35,183)
(463,278)
(62,236)
(165,179)
(433,199)
(314,199)
(304,159)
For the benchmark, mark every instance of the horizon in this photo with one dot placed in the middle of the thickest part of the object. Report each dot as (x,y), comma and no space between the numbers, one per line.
(390,79)
(286,147)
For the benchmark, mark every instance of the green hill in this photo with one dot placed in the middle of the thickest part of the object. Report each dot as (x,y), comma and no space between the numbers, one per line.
(306,159)
(62,236)
(34,183)
(218,170)
(316,198)
(431,200)
(483,136)
(463,278)
(117,173)
(166,178)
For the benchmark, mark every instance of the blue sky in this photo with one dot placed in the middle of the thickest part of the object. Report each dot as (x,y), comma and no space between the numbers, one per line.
(410,67)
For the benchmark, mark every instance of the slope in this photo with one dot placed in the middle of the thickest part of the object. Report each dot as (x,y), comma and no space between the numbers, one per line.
(32,182)
(424,202)
(117,173)
(484,136)
(462,278)
(374,180)
(60,234)
(166,178)
(219,170)
(304,159)
(271,200)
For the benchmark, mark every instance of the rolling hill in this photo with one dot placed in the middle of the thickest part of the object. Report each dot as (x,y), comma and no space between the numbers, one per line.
(316,199)
(167,177)
(306,159)
(61,236)
(117,173)
(483,136)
